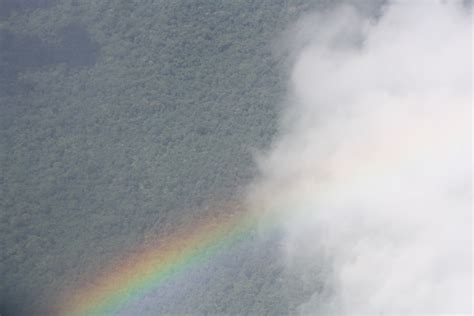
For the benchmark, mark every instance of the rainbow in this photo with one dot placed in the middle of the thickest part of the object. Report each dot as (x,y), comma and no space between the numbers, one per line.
(145,271)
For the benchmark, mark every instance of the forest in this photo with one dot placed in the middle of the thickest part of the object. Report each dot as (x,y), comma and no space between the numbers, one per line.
(125,119)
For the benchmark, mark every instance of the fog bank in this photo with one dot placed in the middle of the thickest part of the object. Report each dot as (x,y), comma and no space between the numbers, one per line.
(371,173)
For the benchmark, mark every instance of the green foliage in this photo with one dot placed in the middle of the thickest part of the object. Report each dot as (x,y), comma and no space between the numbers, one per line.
(123,118)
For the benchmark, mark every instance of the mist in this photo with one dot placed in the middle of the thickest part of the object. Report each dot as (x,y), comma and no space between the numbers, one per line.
(125,126)
(370,175)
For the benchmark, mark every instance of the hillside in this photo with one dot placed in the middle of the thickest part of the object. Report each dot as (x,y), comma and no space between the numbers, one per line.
(124,119)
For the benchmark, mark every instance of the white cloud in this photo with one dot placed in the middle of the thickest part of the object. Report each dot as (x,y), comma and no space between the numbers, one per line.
(372,171)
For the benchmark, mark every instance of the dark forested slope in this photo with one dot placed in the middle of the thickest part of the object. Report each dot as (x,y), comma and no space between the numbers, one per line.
(121,118)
